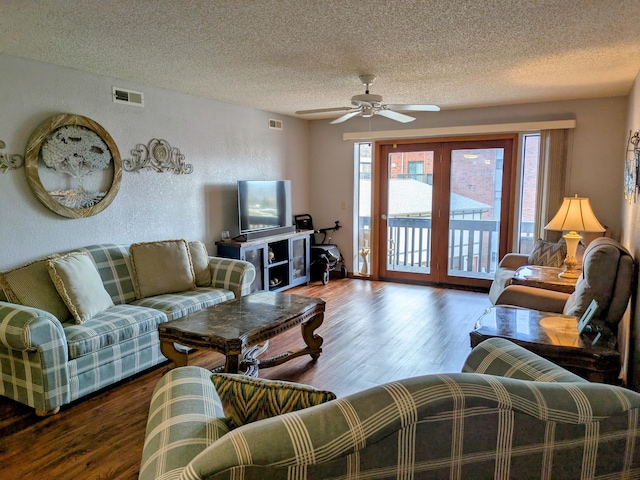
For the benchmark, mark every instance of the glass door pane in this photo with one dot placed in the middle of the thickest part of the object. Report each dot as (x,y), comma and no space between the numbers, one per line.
(475,199)
(299,254)
(365,250)
(256,256)
(528,191)
(409,211)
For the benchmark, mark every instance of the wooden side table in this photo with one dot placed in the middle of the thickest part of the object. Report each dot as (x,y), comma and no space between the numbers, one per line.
(543,277)
(554,337)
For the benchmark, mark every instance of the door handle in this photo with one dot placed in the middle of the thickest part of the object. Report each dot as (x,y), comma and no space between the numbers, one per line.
(383,216)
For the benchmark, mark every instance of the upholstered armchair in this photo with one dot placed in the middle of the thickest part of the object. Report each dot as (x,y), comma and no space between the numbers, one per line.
(544,254)
(510,414)
(607,276)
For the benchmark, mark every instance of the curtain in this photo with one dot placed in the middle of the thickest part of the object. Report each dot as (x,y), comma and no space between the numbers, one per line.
(552,178)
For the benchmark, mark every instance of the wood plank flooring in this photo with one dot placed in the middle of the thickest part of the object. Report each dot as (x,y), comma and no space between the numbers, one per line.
(374,332)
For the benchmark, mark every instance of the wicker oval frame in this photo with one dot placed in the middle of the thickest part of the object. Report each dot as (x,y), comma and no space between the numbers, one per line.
(33,176)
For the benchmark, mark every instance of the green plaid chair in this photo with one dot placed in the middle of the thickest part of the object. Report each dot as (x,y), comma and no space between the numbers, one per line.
(45,363)
(510,414)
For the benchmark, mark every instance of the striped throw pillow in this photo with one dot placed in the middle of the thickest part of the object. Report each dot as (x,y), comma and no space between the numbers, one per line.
(548,254)
(246,399)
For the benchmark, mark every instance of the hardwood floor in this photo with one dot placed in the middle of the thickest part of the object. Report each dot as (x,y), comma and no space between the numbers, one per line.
(374,332)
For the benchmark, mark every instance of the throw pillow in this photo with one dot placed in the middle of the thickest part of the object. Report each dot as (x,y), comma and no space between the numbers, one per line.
(30,285)
(200,259)
(246,399)
(548,254)
(161,267)
(79,284)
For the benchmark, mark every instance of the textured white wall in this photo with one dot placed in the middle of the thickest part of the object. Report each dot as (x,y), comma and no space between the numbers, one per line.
(595,166)
(631,239)
(223,142)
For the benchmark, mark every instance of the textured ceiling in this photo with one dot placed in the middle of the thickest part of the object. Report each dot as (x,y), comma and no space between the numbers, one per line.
(288,55)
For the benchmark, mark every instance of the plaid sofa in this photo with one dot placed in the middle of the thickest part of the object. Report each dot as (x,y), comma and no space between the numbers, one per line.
(509,414)
(45,363)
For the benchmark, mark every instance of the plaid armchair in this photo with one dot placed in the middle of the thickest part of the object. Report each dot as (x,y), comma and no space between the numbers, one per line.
(510,414)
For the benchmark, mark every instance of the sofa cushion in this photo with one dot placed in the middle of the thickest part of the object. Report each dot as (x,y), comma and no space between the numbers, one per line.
(79,284)
(200,260)
(114,266)
(114,326)
(176,305)
(30,285)
(161,267)
(246,399)
(548,254)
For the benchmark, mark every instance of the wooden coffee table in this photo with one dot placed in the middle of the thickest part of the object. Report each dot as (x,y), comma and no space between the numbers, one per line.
(554,337)
(239,328)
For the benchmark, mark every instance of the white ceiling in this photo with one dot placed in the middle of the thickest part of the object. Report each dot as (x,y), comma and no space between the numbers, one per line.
(289,55)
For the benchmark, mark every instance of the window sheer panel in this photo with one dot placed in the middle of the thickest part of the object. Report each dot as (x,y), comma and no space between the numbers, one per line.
(552,179)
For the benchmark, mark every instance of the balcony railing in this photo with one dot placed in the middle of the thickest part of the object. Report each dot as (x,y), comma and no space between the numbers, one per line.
(419,177)
(472,249)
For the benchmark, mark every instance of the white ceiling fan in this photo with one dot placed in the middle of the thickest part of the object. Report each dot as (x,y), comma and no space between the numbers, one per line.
(368,104)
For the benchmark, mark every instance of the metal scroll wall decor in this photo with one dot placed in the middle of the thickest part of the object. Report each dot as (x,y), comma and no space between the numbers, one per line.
(73,166)
(158,156)
(9,161)
(632,167)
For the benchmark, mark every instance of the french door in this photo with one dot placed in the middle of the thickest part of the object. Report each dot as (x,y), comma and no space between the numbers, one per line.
(443,209)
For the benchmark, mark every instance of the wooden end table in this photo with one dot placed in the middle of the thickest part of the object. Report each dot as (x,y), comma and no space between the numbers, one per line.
(543,277)
(554,337)
(239,329)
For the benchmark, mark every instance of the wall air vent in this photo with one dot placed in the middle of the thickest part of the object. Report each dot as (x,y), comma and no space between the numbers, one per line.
(130,97)
(275,124)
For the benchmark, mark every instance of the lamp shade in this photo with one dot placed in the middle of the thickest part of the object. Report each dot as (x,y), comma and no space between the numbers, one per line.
(575,214)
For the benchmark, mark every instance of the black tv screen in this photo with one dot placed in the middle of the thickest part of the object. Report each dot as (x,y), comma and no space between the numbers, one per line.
(264,205)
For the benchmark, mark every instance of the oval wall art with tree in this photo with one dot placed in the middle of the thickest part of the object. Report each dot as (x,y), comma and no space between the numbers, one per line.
(73,166)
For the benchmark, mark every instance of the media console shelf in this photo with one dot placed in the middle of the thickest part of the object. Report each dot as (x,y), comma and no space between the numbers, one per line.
(281,261)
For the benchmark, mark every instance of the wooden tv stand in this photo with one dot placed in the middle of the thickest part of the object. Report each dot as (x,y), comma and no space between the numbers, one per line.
(281,261)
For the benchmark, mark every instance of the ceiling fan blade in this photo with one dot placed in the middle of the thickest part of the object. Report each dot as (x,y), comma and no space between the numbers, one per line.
(414,108)
(398,117)
(324,110)
(346,117)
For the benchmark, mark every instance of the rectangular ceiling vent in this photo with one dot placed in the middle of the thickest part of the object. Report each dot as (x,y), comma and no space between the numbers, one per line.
(275,124)
(130,97)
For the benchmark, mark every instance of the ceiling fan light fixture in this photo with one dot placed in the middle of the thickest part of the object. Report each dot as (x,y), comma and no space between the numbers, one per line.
(368,112)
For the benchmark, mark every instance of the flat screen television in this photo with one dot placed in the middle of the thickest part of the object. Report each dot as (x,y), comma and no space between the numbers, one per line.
(264,208)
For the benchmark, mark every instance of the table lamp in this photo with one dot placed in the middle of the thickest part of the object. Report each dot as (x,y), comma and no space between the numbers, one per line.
(575,215)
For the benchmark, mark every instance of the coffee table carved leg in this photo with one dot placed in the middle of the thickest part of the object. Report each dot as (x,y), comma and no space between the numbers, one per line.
(178,357)
(313,340)
(232,362)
